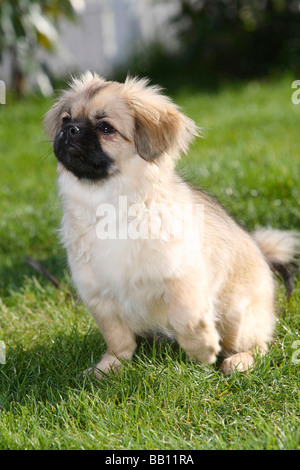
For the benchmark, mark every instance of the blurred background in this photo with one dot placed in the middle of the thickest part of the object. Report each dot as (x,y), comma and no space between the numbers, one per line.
(198,42)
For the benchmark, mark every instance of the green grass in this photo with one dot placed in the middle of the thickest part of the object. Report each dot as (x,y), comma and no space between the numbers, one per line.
(249,159)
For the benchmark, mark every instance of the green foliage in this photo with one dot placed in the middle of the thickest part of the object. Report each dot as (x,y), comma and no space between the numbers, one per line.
(221,40)
(240,37)
(26,26)
(249,158)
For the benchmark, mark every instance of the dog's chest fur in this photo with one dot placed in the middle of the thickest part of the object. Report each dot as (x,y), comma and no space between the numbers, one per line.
(131,271)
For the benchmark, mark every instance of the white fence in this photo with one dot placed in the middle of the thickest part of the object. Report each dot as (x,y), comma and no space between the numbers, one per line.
(106,34)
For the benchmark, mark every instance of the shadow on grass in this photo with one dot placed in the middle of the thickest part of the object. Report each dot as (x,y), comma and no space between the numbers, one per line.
(47,372)
(14,272)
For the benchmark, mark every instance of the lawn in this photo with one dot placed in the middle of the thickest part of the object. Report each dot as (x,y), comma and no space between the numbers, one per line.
(249,159)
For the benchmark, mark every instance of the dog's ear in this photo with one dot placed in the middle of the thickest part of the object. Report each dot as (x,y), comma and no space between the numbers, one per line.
(159,125)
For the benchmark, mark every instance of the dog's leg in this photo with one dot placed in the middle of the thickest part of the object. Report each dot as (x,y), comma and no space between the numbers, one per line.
(247,327)
(191,316)
(121,345)
(120,340)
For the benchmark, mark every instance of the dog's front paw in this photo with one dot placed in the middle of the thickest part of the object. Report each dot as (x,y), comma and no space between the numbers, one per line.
(201,344)
(207,354)
(237,362)
(108,365)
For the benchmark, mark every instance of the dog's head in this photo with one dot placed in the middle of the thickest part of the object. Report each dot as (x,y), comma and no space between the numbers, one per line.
(100,127)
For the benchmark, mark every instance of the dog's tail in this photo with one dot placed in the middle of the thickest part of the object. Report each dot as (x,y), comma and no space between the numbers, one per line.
(281,249)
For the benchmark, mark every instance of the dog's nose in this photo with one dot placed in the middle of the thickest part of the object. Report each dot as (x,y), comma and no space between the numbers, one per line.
(71,130)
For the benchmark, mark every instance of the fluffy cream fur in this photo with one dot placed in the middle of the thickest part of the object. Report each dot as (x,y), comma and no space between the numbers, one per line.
(214,293)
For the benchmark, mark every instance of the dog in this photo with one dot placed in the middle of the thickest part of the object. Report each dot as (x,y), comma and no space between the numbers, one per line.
(210,286)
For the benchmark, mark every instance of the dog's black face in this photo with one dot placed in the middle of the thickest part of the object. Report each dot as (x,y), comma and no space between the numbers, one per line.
(77,147)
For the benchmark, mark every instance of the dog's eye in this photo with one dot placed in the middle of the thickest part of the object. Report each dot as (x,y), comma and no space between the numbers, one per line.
(66,119)
(105,128)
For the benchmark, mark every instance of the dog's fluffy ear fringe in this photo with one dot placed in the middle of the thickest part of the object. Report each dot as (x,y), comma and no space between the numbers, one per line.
(50,121)
(159,125)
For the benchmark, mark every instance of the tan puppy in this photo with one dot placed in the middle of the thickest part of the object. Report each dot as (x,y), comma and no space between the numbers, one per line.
(146,251)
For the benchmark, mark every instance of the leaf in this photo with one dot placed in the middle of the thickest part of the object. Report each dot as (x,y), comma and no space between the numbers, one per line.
(43,25)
